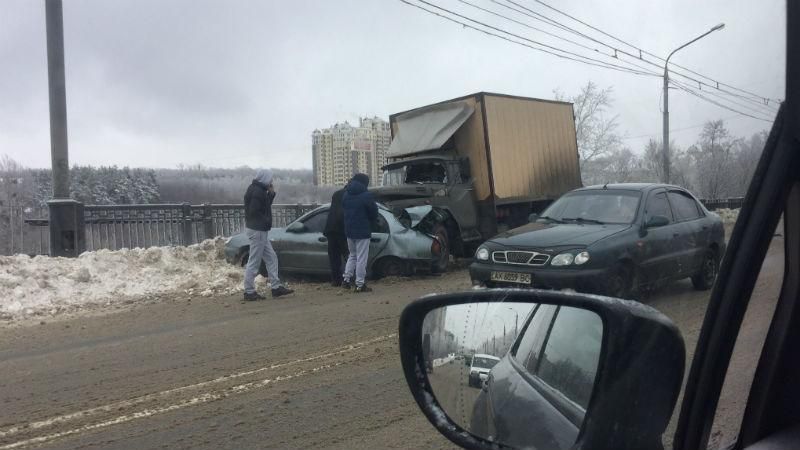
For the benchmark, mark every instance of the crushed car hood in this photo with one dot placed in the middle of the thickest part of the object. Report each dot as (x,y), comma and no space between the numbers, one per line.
(538,235)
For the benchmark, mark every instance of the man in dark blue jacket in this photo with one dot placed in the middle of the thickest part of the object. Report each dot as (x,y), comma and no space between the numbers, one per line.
(258,221)
(360,211)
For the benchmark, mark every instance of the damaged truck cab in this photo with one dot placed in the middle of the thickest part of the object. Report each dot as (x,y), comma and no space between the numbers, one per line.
(481,163)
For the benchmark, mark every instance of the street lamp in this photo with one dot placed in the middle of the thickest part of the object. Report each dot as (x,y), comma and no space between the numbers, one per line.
(665,149)
(516,320)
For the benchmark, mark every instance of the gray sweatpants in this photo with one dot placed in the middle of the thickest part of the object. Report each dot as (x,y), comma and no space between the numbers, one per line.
(357,260)
(260,249)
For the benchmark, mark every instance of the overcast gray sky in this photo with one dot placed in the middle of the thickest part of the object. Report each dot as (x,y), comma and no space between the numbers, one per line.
(228,83)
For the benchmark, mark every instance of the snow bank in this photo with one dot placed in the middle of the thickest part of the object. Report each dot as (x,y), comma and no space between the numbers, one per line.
(728,215)
(48,286)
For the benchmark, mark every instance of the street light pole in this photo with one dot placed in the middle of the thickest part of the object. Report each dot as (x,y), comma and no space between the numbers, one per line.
(665,143)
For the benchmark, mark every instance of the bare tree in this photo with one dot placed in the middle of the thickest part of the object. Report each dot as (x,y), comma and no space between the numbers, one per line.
(596,131)
(713,159)
(681,165)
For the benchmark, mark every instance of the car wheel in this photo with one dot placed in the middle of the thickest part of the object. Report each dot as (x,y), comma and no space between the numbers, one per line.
(390,267)
(620,283)
(704,279)
(440,265)
(261,270)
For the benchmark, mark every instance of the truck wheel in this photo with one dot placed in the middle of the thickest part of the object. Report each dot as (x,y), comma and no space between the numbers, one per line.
(440,265)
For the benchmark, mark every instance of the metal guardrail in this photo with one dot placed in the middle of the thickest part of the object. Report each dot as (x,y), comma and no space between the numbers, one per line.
(119,226)
(129,226)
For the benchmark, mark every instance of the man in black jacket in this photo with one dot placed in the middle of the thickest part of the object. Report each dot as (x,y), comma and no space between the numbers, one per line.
(258,221)
(337,242)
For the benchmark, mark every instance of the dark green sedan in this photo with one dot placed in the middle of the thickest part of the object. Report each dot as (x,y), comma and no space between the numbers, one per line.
(615,239)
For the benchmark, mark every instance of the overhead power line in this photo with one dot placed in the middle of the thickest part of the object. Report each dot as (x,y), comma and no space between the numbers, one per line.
(752,109)
(619,53)
(548,48)
(717,83)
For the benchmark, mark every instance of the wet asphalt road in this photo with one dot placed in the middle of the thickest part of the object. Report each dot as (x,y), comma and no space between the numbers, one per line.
(317,370)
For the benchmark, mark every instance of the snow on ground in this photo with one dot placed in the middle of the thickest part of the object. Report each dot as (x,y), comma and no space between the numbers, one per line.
(728,216)
(45,286)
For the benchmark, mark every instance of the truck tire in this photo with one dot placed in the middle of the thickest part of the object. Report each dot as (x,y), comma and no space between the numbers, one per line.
(440,265)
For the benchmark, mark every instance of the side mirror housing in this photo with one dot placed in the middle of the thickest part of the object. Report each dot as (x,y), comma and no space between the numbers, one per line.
(656,221)
(639,354)
(532,217)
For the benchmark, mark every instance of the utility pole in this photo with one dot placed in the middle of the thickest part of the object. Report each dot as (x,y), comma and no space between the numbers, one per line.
(665,143)
(65,222)
(58,98)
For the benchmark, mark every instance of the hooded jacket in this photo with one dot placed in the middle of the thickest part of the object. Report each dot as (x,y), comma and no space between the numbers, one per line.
(258,202)
(360,209)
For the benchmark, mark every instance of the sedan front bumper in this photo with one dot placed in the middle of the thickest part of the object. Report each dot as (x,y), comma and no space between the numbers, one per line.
(579,279)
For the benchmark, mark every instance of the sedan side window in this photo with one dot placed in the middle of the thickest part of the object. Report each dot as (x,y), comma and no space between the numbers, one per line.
(572,353)
(685,207)
(316,223)
(657,205)
(529,348)
(380,225)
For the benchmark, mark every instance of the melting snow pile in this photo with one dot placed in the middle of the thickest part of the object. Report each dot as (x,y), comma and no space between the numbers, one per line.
(728,215)
(47,286)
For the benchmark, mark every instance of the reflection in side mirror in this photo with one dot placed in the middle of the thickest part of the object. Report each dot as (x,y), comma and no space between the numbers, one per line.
(657,221)
(296,227)
(528,361)
(542,368)
(532,217)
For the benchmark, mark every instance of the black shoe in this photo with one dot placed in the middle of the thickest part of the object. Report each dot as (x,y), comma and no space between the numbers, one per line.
(281,291)
(346,285)
(253,296)
(363,288)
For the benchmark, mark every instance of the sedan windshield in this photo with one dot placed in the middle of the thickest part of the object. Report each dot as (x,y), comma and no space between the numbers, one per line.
(485,363)
(595,206)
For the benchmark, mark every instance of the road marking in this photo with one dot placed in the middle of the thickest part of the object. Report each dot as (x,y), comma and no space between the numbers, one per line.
(137,400)
(205,398)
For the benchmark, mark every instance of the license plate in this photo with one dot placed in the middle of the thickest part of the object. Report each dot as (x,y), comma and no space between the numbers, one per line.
(511,277)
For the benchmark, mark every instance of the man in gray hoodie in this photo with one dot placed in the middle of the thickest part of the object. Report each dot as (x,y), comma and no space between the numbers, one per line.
(258,222)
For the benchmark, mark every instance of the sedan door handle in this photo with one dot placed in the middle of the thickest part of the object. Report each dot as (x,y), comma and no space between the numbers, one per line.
(375,240)
(675,234)
(323,239)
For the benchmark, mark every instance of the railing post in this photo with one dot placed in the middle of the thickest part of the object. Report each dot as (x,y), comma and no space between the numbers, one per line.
(186,219)
(208,223)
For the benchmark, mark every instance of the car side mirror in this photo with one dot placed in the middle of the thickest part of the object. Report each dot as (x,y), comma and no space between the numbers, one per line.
(532,217)
(609,371)
(656,221)
(296,227)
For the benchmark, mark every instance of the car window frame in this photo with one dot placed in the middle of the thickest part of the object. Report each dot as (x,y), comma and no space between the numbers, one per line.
(571,410)
(313,215)
(653,193)
(544,349)
(700,212)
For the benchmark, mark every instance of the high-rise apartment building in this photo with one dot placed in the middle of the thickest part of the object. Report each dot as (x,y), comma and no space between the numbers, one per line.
(342,150)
